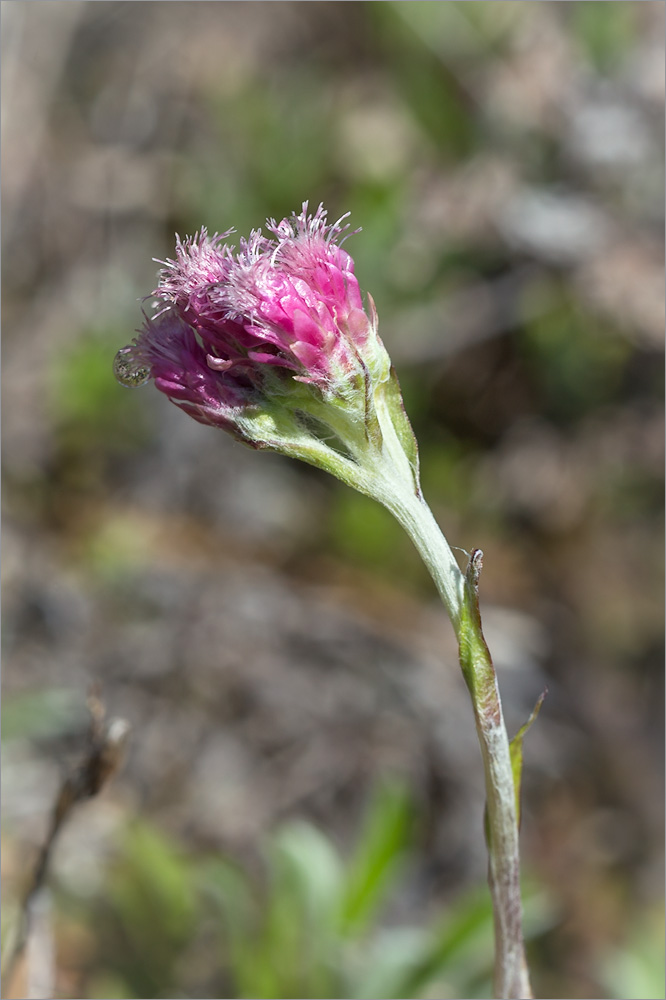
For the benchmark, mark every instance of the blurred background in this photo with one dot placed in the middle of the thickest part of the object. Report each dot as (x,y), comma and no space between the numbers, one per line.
(300,812)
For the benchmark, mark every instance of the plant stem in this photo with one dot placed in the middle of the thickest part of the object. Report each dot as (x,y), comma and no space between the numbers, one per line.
(511,978)
(385,467)
(460,596)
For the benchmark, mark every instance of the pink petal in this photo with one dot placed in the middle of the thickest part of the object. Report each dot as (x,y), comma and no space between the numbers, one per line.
(307,330)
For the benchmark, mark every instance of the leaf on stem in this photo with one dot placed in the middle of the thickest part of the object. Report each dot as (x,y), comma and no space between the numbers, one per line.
(516,749)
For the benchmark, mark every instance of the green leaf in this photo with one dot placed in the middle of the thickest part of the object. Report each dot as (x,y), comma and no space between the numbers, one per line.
(228,886)
(459,948)
(516,749)
(396,407)
(243,946)
(476,664)
(151,895)
(456,955)
(377,859)
(153,889)
(308,859)
(281,939)
(299,941)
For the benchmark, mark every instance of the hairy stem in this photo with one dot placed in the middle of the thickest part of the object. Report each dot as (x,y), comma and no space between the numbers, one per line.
(459,595)
(383,464)
(511,978)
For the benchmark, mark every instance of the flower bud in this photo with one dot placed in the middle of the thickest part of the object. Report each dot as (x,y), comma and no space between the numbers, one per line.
(272,343)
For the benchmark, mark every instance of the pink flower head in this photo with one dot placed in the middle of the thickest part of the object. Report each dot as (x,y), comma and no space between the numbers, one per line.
(239,325)
(271,342)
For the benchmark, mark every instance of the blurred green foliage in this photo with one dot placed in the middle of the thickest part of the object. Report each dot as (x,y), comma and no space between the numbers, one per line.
(366,534)
(91,412)
(578,362)
(606,32)
(305,923)
(636,967)
(431,91)
(153,892)
(48,712)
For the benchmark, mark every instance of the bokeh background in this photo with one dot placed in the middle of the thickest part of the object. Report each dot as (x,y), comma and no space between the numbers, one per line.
(300,813)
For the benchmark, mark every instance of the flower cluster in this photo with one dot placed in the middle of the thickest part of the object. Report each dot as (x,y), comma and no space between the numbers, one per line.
(271,342)
(234,328)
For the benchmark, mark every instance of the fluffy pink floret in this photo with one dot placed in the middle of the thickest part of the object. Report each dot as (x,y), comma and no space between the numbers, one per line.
(289,302)
(181,370)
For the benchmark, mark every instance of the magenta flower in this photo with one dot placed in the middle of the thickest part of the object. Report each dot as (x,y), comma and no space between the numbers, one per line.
(236,327)
(272,343)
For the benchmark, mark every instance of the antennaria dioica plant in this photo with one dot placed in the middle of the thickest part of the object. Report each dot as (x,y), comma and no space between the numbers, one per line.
(272,343)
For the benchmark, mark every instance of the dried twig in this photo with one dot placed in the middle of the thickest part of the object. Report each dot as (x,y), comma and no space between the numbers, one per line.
(103,755)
